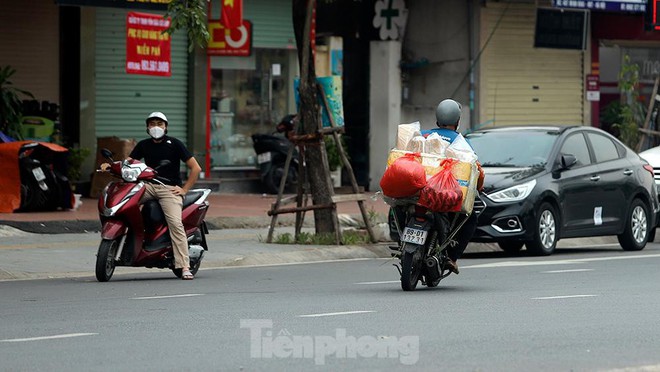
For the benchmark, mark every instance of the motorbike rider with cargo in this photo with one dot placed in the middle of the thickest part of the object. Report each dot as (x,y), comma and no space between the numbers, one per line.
(448,115)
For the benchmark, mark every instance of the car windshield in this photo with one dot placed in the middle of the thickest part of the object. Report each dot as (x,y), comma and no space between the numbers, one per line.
(519,148)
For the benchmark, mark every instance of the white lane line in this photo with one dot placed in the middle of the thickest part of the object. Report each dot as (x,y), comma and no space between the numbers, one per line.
(170,296)
(565,271)
(562,297)
(384,282)
(333,314)
(48,337)
(559,262)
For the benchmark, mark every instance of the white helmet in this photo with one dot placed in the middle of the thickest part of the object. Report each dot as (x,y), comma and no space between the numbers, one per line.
(157,115)
(448,112)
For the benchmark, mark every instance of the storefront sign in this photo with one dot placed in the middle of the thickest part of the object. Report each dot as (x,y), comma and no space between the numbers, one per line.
(637,6)
(131,4)
(390,18)
(593,88)
(229,42)
(148,49)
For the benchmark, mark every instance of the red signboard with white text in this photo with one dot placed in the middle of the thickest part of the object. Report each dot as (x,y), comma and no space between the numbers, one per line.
(229,42)
(148,49)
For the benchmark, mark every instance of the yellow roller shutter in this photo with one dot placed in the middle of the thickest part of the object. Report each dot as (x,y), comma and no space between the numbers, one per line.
(521,84)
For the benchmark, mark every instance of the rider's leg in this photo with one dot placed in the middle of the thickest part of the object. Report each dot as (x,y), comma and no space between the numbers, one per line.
(463,237)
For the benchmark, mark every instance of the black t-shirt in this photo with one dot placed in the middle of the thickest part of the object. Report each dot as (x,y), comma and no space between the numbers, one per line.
(169,148)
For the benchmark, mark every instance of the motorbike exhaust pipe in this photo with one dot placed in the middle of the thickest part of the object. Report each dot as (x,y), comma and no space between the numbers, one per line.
(433,264)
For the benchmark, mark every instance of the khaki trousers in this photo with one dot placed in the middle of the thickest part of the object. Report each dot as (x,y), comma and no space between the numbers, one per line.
(172,206)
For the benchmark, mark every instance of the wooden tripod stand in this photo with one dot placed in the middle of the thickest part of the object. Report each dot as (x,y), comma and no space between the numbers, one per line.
(303,143)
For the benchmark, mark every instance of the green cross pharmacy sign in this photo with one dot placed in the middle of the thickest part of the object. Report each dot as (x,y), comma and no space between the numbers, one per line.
(390,18)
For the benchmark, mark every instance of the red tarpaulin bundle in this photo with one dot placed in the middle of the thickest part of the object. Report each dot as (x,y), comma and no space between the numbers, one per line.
(405,177)
(442,192)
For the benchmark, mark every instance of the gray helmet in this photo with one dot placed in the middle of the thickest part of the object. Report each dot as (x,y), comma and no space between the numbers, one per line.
(448,112)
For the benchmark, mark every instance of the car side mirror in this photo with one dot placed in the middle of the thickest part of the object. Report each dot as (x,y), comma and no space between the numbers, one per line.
(567,161)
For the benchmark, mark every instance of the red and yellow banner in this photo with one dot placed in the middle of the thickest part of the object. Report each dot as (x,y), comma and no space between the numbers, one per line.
(148,49)
(229,41)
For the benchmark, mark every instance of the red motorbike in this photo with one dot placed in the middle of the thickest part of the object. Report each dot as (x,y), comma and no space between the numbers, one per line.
(139,237)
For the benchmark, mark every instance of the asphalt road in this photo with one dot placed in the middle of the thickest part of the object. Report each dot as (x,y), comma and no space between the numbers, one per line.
(592,309)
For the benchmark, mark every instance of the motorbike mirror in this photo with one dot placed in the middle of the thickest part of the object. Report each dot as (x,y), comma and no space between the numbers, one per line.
(106,153)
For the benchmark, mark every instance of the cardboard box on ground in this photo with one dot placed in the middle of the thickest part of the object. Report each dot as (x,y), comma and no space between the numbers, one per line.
(120,148)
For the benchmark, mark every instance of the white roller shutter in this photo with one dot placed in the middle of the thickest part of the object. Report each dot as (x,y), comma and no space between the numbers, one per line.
(521,84)
(123,100)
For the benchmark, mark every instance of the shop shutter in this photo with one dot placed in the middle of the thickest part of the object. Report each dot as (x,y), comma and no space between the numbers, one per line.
(272,26)
(521,84)
(123,100)
(30,43)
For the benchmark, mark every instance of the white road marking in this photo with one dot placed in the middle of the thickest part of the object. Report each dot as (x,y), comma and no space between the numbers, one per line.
(48,337)
(384,282)
(562,297)
(559,262)
(170,296)
(565,271)
(333,314)
(649,368)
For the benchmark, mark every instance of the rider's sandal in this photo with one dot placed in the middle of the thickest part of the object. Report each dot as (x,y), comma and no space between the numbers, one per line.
(187,275)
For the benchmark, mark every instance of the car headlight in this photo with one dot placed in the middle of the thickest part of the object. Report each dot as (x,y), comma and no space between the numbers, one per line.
(130,174)
(514,193)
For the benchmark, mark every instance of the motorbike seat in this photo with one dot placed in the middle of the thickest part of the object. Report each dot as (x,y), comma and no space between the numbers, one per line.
(192,196)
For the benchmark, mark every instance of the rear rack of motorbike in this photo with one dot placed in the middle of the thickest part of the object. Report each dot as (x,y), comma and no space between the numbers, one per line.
(455,223)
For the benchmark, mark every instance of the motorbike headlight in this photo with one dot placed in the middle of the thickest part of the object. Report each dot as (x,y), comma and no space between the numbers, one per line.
(513,193)
(130,174)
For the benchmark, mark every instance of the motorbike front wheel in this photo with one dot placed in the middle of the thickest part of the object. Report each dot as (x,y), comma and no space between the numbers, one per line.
(411,269)
(105,259)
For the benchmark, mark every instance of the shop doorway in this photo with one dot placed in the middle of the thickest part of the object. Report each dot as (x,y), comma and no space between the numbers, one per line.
(248,95)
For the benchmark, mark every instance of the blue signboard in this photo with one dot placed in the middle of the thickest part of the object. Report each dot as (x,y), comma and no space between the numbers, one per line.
(636,6)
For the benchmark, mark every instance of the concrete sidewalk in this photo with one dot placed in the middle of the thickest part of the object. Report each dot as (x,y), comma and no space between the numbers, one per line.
(225,211)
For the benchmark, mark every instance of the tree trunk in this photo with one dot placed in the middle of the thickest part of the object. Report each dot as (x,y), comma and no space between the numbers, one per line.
(315,156)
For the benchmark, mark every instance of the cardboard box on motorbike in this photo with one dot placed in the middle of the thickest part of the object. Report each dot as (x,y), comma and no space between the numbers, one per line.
(432,151)
(120,148)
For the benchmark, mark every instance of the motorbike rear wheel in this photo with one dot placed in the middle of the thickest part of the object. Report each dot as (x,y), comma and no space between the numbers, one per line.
(411,269)
(105,259)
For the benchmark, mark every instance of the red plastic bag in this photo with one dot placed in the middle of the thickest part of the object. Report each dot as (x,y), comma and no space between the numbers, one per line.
(442,192)
(405,177)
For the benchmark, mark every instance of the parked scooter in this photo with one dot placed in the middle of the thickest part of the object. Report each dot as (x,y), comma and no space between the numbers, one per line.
(140,238)
(43,188)
(272,151)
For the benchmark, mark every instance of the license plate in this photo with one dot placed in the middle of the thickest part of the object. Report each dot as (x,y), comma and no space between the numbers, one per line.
(263,158)
(414,236)
(38,174)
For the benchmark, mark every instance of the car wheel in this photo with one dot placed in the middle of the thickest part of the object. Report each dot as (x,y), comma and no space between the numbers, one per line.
(636,232)
(510,246)
(544,241)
